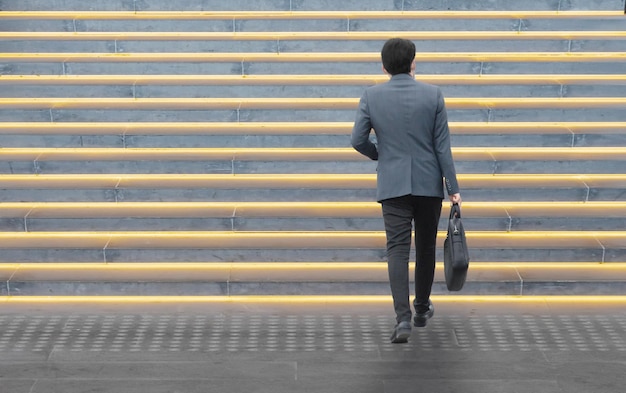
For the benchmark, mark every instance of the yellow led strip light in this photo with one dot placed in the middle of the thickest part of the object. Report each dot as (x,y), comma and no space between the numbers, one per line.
(305,299)
(296,209)
(307,57)
(300,103)
(485,79)
(300,154)
(293,128)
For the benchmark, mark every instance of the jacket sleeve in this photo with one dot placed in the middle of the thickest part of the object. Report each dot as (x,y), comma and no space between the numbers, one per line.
(441,141)
(361,131)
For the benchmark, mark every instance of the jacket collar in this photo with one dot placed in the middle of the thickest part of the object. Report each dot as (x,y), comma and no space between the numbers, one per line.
(402,77)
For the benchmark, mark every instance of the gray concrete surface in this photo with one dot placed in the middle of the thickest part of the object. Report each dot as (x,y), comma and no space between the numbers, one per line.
(466,347)
(314,5)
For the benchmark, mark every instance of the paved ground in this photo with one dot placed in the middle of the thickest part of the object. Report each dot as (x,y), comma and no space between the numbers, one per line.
(467,347)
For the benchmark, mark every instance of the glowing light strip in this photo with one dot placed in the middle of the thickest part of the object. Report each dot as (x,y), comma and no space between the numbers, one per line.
(313,57)
(228,103)
(303,299)
(300,154)
(295,128)
(485,79)
(289,266)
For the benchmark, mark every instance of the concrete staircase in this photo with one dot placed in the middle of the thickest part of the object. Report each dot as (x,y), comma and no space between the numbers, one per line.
(202,147)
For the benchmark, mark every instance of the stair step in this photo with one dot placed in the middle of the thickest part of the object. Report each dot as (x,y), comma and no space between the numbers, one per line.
(227,103)
(294,187)
(306,109)
(297,15)
(299,154)
(348,5)
(330,278)
(310,79)
(292,128)
(297,240)
(295,160)
(298,180)
(309,35)
(301,246)
(295,216)
(308,57)
(511,209)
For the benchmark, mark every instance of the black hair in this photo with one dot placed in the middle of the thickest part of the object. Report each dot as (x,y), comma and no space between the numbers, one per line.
(397,55)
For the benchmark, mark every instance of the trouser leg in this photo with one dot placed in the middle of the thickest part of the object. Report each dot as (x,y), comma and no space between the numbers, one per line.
(398,217)
(426,215)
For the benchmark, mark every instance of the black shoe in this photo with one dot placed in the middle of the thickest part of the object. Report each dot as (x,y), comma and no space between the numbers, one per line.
(401,333)
(421,318)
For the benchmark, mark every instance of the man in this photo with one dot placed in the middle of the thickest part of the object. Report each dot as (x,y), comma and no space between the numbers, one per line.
(414,162)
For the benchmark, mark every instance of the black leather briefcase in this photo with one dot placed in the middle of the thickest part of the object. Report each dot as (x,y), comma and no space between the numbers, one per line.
(455,253)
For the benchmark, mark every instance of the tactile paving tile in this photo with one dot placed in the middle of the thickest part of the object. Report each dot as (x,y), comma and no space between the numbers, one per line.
(307,333)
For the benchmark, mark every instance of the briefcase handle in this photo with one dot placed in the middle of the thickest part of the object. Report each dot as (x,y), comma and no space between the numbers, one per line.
(455,211)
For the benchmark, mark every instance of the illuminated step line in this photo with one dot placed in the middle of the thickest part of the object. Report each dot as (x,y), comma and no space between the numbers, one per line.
(291,128)
(290,181)
(310,35)
(299,154)
(508,209)
(254,80)
(329,300)
(288,240)
(289,15)
(311,57)
(300,103)
(58,267)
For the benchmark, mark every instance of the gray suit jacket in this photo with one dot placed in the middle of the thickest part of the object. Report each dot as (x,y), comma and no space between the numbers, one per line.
(413,141)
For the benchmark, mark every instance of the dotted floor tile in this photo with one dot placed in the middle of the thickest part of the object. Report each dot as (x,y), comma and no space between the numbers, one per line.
(306,333)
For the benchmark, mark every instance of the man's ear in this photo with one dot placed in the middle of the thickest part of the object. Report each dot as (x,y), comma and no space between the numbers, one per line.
(385,70)
(413,68)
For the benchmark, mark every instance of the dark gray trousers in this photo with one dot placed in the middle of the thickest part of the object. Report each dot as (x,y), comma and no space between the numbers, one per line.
(399,214)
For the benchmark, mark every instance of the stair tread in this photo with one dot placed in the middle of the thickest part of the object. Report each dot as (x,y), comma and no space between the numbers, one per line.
(228,103)
(290,128)
(312,79)
(343,57)
(336,181)
(298,272)
(312,35)
(509,209)
(298,240)
(300,154)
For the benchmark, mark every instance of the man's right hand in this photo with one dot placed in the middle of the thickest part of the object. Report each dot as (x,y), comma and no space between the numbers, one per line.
(455,198)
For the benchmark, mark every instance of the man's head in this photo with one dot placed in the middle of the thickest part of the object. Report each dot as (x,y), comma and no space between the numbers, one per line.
(398,55)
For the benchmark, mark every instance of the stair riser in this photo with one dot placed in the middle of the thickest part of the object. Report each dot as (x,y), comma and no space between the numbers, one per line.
(298,224)
(247,141)
(343,91)
(290,195)
(298,255)
(273,46)
(338,24)
(260,167)
(199,195)
(260,68)
(307,5)
(134,288)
